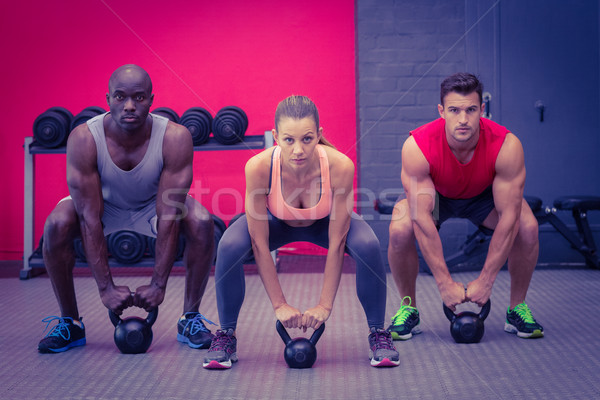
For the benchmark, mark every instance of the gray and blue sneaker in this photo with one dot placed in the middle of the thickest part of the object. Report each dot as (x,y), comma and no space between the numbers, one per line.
(191,330)
(63,336)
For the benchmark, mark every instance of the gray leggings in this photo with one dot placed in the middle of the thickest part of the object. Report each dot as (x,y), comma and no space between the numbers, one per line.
(361,244)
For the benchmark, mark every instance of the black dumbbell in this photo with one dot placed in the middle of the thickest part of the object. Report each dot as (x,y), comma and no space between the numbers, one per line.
(218,232)
(199,122)
(133,335)
(180,246)
(230,125)
(241,114)
(85,114)
(168,113)
(467,326)
(300,352)
(127,247)
(52,127)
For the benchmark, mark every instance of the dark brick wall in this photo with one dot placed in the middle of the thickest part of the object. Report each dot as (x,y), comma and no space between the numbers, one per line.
(404,50)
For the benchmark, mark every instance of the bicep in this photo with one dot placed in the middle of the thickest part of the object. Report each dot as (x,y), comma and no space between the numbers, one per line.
(83,179)
(416,180)
(509,181)
(178,154)
(176,175)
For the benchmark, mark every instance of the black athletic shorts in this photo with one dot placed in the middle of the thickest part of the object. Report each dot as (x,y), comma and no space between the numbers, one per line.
(476,209)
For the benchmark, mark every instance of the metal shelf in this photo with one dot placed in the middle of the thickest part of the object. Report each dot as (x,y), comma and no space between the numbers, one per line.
(31,149)
(249,143)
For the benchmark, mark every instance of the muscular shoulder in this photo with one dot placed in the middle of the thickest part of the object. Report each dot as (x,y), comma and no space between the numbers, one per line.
(178,134)
(413,160)
(510,158)
(81,136)
(177,142)
(81,147)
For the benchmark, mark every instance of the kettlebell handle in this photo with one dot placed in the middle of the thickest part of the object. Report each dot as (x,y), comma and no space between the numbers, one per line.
(282,332)
(485,310)
(449,313)
(317,334)
(116,320)
(286,337)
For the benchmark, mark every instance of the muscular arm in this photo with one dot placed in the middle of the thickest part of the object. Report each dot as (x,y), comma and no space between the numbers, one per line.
(420,192)
(173,186)
(84,185)
(508,196)
(342,176)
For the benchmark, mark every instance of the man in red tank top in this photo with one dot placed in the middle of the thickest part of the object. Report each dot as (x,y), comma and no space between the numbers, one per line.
(463,166)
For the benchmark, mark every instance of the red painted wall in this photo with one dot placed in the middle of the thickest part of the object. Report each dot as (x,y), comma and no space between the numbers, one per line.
(203,53)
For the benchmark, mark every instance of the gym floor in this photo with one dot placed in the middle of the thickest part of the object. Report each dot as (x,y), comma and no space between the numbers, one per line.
(563,365)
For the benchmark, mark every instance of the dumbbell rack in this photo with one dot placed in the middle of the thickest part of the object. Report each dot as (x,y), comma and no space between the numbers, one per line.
(33,261)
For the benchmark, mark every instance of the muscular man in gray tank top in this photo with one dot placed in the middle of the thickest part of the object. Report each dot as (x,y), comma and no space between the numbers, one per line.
(128,169)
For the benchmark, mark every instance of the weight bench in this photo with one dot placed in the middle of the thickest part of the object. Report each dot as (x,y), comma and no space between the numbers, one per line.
(583,241)
(476,243)
(579,206)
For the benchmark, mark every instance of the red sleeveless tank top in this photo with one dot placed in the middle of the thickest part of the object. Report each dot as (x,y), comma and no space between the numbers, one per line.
(451,178)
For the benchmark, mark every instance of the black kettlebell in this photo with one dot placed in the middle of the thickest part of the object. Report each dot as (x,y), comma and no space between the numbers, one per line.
(133,335)
(467,326)
(300,352)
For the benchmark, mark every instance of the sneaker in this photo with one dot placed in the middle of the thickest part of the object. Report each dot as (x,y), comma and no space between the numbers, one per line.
(382,352)
(64,335)
(406,322)
(191,330)
(222,351)
(521,322)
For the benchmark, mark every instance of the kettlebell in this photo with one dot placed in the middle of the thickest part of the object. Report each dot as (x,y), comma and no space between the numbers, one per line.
(133,335)
(467,326)
(300,352)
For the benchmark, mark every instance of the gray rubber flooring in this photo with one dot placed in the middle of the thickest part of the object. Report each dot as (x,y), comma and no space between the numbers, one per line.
(563,365)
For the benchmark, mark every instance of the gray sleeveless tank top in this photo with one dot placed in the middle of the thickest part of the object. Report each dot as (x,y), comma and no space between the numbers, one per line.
(134,189)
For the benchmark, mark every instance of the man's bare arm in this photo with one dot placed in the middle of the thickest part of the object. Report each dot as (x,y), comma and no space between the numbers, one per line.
(421,193)
(508,197)
(173,187)
(85,189)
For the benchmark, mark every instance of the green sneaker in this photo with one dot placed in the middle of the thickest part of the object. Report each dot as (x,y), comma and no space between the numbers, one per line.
(406,321)
(521,322)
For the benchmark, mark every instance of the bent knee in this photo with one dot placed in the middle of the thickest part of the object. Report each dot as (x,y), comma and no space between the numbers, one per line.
(61,224)
(528,230)
(367,245)
(234,246)
(401,233)
(198,221)
(196,212)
